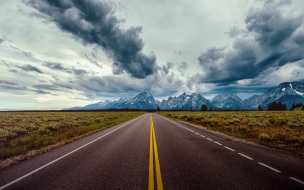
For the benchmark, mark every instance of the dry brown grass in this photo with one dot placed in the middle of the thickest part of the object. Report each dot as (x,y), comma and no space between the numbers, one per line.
(282,130)
(21,132)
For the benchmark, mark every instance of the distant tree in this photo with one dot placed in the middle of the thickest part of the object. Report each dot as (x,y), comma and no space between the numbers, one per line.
(293,107)
(302,107)
(127,108)
(210,108)
(260,108)
(204,107)
(158,109)
(274,106)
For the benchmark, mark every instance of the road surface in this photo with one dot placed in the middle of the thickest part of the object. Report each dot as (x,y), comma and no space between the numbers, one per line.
(152,152)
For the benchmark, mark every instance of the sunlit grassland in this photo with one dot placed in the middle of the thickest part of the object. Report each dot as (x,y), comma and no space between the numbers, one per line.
(24,131)
(282,130)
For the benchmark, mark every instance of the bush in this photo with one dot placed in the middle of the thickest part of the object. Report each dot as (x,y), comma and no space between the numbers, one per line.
(265,137)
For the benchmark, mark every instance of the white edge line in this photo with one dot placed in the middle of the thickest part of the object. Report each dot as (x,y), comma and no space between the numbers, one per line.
(297,180)
(229,148)
(209,139)
(36,170)
(245,156)
(278,171)
(217,143)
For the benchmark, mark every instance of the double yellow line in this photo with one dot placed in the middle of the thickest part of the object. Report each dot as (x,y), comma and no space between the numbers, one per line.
(154,151)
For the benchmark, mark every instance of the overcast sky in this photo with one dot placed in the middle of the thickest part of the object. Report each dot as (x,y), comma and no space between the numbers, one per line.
(56,54)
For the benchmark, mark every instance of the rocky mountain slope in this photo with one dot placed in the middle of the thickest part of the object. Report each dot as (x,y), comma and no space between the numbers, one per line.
(185,102)
(287,93)
(228,101)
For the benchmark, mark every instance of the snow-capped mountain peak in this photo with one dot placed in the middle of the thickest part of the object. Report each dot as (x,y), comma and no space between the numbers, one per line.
(228,101)
(185,102)
(287,93)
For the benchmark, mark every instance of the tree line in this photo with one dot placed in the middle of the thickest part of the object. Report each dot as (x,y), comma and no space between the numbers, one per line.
(294,106)
(274,106)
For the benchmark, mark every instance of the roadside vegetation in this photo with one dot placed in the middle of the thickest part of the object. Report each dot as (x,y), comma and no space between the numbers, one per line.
(24,131)
(282,130)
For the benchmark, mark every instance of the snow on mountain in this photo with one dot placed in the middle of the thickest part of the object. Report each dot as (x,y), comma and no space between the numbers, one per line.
(95,106)
(185,102)
(228,101)
(140,101)
(287,93)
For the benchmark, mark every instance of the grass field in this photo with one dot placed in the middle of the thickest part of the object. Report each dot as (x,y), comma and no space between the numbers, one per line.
(24,131)
(282,130)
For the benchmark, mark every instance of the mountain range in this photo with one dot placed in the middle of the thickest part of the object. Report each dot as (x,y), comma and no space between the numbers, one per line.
(288,93)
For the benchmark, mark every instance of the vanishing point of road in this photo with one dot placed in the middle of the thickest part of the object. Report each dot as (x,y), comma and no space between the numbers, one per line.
(153,152)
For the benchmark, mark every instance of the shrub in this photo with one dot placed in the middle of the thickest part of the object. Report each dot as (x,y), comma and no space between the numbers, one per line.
(265,137)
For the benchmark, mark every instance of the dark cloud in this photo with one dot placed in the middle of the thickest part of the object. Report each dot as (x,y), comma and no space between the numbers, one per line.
(295,73)
(271,41)
(93,22)
(236,89)
(210,56)
(270,27)
(90,60)
(41,92)
(298,37)
(1,40)
(13,87)
(13,71)
(30,68)
(8,65)
(79,72)
(8,85)
(7,82)
(167,68)
(60,67)
(46,87)
(27,54)
(182,67)
(235,32)
(93,86)
(56,66)
(24,68)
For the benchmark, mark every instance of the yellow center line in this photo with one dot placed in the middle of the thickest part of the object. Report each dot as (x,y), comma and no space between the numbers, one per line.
(151,169)
(153,144)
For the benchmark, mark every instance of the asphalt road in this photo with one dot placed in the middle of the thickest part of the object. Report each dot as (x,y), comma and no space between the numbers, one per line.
(154,153)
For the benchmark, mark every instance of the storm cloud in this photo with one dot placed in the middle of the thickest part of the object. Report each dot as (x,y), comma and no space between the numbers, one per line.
(271,39)
(167,68)
(90,60)
(8,85)
(56,66)
(60,67)
(93,22)
(30,68)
